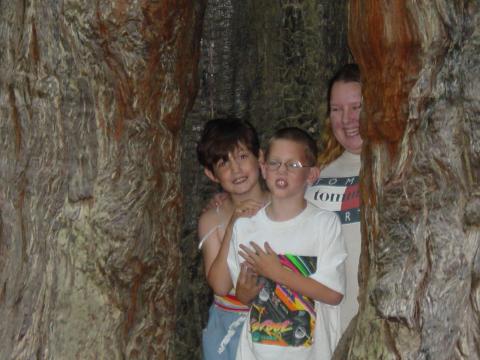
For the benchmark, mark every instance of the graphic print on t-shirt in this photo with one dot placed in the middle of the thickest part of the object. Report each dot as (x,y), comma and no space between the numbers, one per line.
(339,194)
(280,316)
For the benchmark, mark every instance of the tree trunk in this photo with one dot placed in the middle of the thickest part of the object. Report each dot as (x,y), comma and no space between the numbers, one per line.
(420,265)
(92,95)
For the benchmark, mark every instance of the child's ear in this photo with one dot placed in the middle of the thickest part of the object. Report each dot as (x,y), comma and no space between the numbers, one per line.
(210,175)
(261,162)
(262,168)
(313,175)
(261,156)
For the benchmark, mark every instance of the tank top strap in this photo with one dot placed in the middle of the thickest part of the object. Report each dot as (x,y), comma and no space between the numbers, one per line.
(217,227)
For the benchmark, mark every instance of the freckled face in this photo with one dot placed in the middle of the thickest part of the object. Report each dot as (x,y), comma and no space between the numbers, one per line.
(345,107)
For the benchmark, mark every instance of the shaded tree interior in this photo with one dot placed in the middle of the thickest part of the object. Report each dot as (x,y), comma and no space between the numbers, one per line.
(265,61)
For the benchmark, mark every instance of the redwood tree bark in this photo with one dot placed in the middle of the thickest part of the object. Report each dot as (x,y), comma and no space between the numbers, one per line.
(420,264)
(92,95)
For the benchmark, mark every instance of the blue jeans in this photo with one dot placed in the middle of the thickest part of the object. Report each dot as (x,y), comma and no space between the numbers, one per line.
(219,322)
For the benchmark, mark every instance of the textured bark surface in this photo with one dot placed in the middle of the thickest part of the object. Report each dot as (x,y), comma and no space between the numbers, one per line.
(92,95)
(265,61)
(420,267)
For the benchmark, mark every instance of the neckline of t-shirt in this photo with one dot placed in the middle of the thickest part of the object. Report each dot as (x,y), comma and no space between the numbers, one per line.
(348,156)
(289,222)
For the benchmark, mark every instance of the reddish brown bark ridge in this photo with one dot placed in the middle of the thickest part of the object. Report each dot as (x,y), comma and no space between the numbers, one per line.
(420,263)
(386,45)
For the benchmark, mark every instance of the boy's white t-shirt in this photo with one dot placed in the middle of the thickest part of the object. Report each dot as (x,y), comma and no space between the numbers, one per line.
(280,322)
(337,189)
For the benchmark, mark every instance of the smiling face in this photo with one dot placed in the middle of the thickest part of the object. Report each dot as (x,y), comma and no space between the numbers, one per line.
(345,108)
(238,174)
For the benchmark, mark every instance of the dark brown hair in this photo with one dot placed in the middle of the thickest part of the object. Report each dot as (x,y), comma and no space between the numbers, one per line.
(222,136)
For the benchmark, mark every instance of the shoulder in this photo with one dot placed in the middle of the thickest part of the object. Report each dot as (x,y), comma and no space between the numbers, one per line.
(207,221)
(345,165)
(317,212)
(323,217)
(326,228)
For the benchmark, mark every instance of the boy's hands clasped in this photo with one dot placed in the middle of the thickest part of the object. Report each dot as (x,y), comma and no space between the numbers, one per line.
(258,261)
(264,262)
(247,287)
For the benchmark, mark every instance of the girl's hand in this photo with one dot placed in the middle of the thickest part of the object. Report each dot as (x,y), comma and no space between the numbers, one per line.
(216,201)
(247,288)
(263,262)
(246,208)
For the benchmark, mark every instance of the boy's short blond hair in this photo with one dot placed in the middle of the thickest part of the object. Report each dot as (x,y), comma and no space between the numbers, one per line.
(298,136)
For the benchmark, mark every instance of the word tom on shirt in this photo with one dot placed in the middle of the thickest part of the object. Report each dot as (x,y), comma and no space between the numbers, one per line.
(338,194)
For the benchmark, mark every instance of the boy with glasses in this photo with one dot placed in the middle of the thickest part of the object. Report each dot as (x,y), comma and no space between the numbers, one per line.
(296,254)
